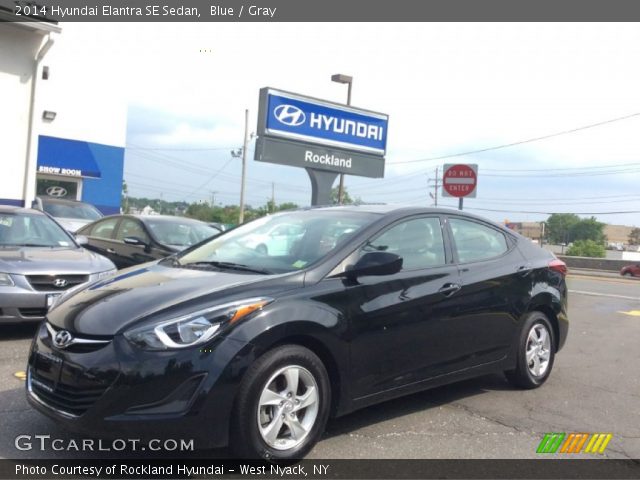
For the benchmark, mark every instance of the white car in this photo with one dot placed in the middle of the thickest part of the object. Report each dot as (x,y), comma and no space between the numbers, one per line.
(276,240)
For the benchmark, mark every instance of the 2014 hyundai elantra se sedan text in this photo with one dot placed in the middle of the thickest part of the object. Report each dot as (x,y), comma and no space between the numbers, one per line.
(224,343)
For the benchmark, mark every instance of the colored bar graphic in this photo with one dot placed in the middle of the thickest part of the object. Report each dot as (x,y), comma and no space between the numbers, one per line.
(573,442)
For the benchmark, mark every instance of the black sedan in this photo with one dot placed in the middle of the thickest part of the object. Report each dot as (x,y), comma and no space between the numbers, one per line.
(133,239)
(224,343)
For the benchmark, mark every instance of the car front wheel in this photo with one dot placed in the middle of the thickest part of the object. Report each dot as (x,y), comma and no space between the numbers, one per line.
(536,352)
(282,405)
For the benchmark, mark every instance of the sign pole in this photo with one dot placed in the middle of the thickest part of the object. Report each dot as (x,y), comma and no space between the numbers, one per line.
(244,165)
(460,200)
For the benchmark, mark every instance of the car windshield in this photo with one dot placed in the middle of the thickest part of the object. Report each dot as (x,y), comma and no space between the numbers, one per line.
(180,233)
(80,211)
(279,243)
(31,231)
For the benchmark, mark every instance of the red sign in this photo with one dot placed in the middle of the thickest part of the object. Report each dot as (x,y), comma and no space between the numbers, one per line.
(460,180)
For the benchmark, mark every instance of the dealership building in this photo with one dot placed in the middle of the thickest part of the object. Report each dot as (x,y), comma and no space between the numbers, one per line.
(63,128)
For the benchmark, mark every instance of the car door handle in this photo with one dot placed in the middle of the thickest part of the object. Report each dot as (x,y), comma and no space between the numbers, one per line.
(524,270)
(111,250)
(449,289)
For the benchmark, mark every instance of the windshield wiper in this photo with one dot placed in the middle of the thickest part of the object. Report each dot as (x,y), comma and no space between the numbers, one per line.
(227,266)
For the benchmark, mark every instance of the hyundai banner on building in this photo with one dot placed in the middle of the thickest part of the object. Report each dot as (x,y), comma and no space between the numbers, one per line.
(306,132)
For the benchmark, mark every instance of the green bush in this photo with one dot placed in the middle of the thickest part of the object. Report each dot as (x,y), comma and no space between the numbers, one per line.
(586,248)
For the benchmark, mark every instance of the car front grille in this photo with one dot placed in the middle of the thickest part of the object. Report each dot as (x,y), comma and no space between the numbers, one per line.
(68,399)
(33,312)
(56,282)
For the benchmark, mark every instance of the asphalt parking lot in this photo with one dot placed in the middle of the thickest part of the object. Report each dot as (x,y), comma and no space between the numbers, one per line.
(595,387)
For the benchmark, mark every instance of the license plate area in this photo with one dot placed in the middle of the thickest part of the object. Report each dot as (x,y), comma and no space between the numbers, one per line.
(48,367)
(51,297)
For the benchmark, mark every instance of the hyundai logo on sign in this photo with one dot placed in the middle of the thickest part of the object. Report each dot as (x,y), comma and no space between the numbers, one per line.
(325,123)
(289,115)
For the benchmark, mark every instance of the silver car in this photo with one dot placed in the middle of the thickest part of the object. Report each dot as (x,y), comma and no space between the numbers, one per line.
(71,214)
(39,261)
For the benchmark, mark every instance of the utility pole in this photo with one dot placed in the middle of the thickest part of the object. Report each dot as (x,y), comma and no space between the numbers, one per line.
(435,195)
(244,165)
(436,185)
(340,78)
(213,197)
(273,196)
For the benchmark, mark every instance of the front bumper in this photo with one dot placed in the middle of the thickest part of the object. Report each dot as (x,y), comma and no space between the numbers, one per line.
(18,305)
(117,390)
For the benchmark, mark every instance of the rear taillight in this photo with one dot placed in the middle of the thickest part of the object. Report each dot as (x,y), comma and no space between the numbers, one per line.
(558,266)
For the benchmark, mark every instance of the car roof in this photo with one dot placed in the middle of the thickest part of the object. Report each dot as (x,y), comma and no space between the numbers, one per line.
(67,201)
(20,210)
(162,218)
(384,209)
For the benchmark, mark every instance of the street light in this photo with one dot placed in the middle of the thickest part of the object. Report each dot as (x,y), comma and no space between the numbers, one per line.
(341,78)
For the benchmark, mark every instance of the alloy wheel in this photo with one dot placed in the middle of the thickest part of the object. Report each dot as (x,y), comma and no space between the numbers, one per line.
(538,350)
(288,407)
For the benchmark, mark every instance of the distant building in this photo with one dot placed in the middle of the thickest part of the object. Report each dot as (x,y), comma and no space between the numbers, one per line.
(617,233)
(531,230)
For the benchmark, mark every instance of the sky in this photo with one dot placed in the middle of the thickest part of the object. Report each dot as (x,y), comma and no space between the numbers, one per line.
(448,88)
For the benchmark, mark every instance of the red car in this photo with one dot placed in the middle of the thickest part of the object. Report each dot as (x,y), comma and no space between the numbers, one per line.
(630,271)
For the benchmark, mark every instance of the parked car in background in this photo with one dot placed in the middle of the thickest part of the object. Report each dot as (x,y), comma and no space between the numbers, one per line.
(223,344)
(631,270)
(71,214)
(274,240)
(39,260)
(128,240)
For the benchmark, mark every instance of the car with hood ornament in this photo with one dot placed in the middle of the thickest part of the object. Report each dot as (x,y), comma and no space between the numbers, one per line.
(40,260)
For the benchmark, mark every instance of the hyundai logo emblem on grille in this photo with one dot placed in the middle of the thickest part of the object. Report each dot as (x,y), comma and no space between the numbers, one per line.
(62,338)
(60,282)
(56,191)
(289,115)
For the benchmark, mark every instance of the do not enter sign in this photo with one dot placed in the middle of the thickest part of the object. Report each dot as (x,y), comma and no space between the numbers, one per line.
(460,180)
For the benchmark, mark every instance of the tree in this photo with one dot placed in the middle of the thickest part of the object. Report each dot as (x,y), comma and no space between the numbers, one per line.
(588,229)
(634,236)
(346,198)
(559,227)
(124,198)
(586,248)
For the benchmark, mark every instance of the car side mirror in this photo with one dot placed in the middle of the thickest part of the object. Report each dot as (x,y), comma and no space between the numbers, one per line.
(375,263)
(81,240)
(134,241)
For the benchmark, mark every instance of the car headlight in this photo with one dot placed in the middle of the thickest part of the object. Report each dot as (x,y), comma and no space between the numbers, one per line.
(6,280)
(195,328)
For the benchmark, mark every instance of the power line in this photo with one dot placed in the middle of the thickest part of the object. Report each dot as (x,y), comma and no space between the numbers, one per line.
(543,213)
(520,142)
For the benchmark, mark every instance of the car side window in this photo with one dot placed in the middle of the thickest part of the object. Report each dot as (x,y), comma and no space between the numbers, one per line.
(475,241)
(131,228)
(104,229)
(418,241)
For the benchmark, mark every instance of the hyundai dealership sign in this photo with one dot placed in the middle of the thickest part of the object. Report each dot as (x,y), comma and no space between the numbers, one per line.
(301,118)
(306,132)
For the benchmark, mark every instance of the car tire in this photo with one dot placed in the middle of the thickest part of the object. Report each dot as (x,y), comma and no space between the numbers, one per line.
(266,403)
(627,274)
(262,249)
(535,352)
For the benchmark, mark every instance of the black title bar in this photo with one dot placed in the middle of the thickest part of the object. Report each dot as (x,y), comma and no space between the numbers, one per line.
(319,10)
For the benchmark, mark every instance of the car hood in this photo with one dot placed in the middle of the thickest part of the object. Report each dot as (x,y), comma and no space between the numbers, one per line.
(51,260)
(109,306)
